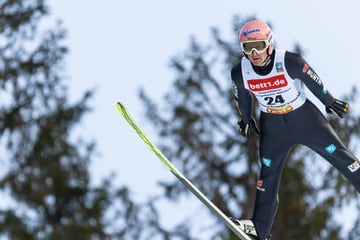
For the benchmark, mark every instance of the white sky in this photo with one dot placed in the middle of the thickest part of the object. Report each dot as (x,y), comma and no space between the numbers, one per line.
(119,46)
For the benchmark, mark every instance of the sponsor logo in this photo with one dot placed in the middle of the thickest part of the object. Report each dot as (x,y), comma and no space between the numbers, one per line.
(311,74)
(305,68)
(246,33)
(331,148)
(235,91)
(280,110)
(279,67)
(354,167)
(259,185)
(266,162)
(275,82)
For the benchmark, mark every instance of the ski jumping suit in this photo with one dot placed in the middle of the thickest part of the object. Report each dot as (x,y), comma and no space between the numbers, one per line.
(287,117)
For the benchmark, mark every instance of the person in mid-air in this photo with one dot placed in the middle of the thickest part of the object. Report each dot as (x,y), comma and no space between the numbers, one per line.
(287,117)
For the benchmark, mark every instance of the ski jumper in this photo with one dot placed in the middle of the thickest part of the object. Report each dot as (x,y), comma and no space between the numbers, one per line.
(287,117)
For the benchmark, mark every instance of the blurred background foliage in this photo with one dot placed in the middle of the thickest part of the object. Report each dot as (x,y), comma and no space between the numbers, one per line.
(46,181)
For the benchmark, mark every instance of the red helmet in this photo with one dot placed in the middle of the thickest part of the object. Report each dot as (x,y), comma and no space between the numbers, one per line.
(254,31)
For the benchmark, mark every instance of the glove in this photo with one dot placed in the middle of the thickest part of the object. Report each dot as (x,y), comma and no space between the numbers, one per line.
(338,108)
(246,127)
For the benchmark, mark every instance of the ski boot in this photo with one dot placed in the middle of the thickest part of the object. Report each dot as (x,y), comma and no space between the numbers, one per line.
(247,226)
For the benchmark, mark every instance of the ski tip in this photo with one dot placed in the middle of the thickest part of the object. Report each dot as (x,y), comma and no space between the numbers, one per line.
(119,104)
(121,107)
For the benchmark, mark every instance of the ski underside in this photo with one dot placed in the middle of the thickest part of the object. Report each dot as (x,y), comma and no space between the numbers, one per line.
(214,209)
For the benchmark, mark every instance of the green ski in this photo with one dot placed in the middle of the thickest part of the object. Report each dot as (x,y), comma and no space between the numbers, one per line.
(214,209)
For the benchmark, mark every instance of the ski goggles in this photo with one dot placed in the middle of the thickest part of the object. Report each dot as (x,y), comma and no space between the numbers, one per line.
(258,46)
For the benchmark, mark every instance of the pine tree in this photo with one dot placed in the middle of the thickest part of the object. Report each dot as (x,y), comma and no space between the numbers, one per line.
(45,179)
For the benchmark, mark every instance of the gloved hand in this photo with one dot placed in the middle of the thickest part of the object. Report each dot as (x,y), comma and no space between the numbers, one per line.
(338,108)
(246,127)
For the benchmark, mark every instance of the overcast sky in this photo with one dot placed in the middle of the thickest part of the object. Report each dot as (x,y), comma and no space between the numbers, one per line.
(119,46)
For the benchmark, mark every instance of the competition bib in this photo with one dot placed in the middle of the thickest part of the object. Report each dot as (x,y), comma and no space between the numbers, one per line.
(276,92)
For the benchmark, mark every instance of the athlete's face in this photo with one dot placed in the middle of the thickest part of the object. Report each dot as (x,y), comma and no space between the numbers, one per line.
(257,58)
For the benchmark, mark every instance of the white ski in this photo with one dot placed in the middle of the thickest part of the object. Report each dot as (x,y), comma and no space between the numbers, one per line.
(124,112)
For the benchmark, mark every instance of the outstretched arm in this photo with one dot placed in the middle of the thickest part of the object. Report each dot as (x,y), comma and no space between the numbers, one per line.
(243,102)
(242,96)
(298,68)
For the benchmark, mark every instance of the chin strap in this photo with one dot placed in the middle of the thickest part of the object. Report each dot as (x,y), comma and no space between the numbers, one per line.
(266,61)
